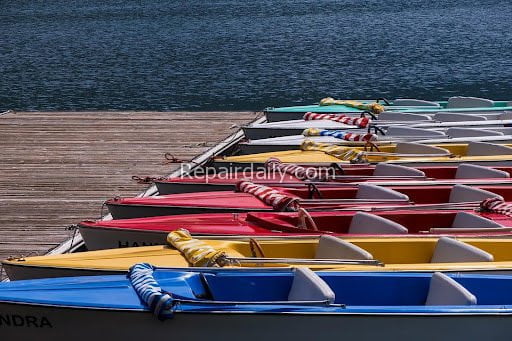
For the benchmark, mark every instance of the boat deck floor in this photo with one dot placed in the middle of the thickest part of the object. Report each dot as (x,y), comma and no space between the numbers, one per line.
(57,168)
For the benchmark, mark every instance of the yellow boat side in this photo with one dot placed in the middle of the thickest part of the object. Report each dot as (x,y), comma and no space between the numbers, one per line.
(396,254)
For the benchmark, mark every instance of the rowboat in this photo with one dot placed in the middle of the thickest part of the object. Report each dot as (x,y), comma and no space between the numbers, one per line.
(403,153)
(257,131)
(109,234)
(394,134)
(251,197)
(454,104)
(278,174)
(325,252)
(257,304)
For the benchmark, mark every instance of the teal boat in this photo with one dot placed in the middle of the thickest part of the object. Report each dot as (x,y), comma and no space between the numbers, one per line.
(454,104)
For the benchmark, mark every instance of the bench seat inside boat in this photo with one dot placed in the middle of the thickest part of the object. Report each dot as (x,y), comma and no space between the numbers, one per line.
(413,102)
(389,169)
(469,102)
(400,131)
(470,171)
(457,117)
(450,250)
(366,223)
(330,247)
(417,148)
(399,116)
(472,132)
(486,149)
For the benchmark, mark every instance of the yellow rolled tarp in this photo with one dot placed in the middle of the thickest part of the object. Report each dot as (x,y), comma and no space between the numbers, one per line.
(375,108)
(195,251)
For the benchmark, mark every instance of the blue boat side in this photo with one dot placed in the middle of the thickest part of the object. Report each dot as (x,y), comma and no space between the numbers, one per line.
(263,291)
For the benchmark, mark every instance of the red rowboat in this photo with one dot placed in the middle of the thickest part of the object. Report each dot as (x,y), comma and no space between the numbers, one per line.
(382,173)
(362,195)
(399,223)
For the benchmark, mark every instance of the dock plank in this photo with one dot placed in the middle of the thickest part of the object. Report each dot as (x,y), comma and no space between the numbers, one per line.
(57,168)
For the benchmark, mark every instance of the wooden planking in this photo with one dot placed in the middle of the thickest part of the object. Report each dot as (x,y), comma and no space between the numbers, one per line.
(57,168)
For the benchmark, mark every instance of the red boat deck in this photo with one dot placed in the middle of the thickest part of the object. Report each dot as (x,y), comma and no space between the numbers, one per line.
(58,167)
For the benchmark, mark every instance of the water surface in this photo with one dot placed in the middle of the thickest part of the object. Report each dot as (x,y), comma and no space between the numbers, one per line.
(246,55)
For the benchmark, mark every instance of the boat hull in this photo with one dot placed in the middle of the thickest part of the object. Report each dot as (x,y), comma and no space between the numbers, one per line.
(190,187)
(120,211)
(38,322)
(97,238)
(219,164)
(256,133)
(297,112)
(103,238)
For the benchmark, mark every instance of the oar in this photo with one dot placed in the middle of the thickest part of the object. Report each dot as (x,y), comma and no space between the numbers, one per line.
(343,177)
(447,206)
(401,182)
(272,303)
(407,155)
(462,123)
(349,200)
(246,260)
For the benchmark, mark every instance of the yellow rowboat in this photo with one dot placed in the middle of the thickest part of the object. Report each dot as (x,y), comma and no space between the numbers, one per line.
(324,253)
(405,153)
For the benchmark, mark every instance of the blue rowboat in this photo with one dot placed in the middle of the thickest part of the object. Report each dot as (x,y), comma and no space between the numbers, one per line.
(258,305)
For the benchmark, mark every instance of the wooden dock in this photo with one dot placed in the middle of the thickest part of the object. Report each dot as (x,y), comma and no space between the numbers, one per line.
(57,168)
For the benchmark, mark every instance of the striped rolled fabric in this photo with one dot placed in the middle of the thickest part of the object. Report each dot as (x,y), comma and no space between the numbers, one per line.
(270,196)
(149,291)
(361,122)
(274,164)
(339,134)
(314,174)
(496,205)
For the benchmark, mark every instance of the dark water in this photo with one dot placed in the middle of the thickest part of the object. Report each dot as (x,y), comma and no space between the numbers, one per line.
(214,55)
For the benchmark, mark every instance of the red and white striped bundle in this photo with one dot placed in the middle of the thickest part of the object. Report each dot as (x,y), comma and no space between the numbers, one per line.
(360,137)
(274,164)
(496,205)
(342,135)
(361,122)
(269,196)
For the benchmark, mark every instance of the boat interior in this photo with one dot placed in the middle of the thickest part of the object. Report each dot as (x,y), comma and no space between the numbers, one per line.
(415,194)
(370,251)
(380,223)
(462,171)
(332,291)
(350,289)
(463,149)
